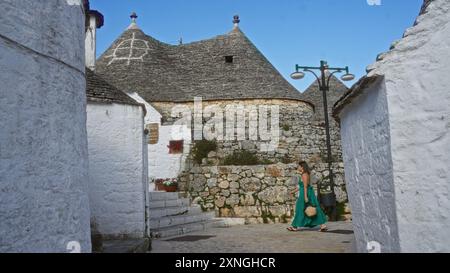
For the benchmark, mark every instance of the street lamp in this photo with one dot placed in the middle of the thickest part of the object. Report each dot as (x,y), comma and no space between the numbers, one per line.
(324,86)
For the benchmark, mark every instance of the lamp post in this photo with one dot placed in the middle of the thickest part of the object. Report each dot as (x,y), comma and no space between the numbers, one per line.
(324,86)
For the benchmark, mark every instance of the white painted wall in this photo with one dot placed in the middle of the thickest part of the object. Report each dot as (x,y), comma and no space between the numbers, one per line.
(43,149)
(117,171)
(368,170)
(161,164)
(90,43)
(418,98)
(153,116)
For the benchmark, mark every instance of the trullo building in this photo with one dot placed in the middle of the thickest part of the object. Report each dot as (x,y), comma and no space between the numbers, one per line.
(222,71)
(395,137)
(44,204)
(117,147)
(118,178)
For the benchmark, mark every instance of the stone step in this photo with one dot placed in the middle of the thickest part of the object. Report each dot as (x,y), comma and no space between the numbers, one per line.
(228,222)
(195,209)
(161,204)
(164,212)
(173,211)
(174,231)
(162,196)
(189,218)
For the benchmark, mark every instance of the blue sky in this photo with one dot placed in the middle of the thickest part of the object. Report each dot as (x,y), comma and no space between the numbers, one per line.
(288,32)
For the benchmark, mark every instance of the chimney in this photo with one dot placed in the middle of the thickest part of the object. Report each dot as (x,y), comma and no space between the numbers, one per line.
(94,20)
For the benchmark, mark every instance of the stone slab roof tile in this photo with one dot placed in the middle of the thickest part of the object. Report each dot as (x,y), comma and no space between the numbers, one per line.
(159,72)
(99,90)
(314,95)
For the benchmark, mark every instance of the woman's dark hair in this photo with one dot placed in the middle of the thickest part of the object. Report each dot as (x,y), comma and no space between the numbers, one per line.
(305,167)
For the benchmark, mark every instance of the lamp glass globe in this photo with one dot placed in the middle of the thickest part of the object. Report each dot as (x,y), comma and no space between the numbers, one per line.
(297,75)
(348,77)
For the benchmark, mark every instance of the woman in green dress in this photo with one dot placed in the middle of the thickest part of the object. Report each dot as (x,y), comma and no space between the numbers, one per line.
(307,197)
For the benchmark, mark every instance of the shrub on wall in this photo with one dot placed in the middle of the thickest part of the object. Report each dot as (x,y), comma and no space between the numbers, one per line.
(202,148)
(286,127)
(242,158)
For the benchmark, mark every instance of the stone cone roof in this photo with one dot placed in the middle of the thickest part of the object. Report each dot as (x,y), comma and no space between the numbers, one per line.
(99,90)
(160,72)
(314,95)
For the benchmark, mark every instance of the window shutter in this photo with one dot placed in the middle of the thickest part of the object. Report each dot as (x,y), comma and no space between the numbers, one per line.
(176,147)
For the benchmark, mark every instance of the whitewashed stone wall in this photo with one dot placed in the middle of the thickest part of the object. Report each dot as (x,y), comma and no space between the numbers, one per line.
(161,164)
(417,93)
(117,170)
(91,42)
(368,170)
(43,149)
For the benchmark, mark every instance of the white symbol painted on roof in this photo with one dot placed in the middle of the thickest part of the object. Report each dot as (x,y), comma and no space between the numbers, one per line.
(128,50)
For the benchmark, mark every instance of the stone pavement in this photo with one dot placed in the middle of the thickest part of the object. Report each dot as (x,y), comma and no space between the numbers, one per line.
(124,246)
(269,238)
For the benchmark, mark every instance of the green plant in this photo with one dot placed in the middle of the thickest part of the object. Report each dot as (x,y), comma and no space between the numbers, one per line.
(266,162)
(171,183)
(286,127)
(241,158)
(202,148)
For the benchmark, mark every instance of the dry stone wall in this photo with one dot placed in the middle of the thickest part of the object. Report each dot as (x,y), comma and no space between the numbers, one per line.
(302,137)
(261,193)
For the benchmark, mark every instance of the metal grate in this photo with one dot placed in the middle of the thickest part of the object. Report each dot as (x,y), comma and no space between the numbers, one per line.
(190,238)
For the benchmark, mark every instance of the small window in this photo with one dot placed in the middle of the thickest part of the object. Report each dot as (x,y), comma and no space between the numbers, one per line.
(153,130)
(176,147)
(229,59)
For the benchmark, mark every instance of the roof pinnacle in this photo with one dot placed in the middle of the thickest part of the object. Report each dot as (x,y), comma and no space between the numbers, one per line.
(133,17)
(133,24)
(236,21)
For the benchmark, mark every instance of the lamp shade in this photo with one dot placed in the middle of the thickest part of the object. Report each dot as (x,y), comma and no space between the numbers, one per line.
(348,77)
(297,75)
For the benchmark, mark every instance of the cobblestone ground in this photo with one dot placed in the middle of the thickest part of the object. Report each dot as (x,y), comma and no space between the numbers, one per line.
(264,239)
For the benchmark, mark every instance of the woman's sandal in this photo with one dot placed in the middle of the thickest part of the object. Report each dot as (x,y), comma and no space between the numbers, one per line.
(325,229)
(293,229)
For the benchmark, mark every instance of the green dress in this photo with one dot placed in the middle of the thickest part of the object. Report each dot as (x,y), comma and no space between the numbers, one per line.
(300,218)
